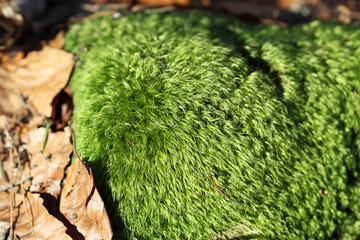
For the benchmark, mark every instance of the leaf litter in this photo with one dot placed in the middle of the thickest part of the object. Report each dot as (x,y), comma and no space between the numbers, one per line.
(47,168)
(35,79)
(34,160)
(32,219)
(82,205)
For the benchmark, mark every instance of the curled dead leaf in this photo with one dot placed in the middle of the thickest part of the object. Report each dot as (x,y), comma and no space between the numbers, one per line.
(58,41)
(35,79)
(343,14)
(82,205)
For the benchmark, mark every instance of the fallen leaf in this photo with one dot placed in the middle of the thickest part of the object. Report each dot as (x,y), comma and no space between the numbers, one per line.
(43,225)
(14,159)
(18,55)
(4,122)
(343,14)
(82,205)
(37,78)
(5,209)
(289,4)
(4,227)
(58,41)
(33,123)
(47,168)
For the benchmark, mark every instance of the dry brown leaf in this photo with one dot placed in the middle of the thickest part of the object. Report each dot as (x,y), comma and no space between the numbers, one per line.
(58,41)
(5,209)
(343,14)
(44,225)
(38,77)
(4,122)
(33,123)
(13,159)
(288,4)
(12,57)
(4,227)
(47,168)
(82,205)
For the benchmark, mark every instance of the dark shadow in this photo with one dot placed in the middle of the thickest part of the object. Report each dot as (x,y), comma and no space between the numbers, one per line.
(220,30)
(101,176)
(52,205)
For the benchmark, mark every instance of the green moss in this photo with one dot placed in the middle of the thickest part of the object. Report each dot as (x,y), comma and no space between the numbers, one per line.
(161,100)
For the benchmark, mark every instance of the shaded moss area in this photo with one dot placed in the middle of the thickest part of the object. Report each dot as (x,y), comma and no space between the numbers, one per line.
(162,100)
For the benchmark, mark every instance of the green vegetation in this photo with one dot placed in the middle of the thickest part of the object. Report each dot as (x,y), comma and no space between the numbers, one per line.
(161,100)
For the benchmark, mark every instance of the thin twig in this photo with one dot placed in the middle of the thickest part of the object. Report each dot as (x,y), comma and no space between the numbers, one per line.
(13,150)
(12,201)
(3,174)
(30,219)
(28,106)
(74,144)
(17,183)
(221,191)
(12,194)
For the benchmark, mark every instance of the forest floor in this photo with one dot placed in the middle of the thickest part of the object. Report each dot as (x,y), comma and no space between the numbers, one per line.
(45,189)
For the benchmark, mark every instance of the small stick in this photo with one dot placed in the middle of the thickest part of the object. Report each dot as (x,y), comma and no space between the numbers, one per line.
(3,174)
(17,183)
(74,143)
(22,189)
(30,219)
(12,202)
(23,193)
(14,154)
(221,191)
(12,194)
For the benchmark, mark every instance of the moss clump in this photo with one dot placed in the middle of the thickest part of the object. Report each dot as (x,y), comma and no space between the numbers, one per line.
(162,100)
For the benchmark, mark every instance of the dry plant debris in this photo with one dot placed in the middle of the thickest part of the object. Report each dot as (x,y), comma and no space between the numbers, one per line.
(32,219)
(34,159)
(82,205)
(35,79)
(47,168)
(25,178)
(26,174)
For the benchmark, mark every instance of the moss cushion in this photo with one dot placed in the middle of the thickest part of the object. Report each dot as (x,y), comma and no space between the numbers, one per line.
(167,103)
